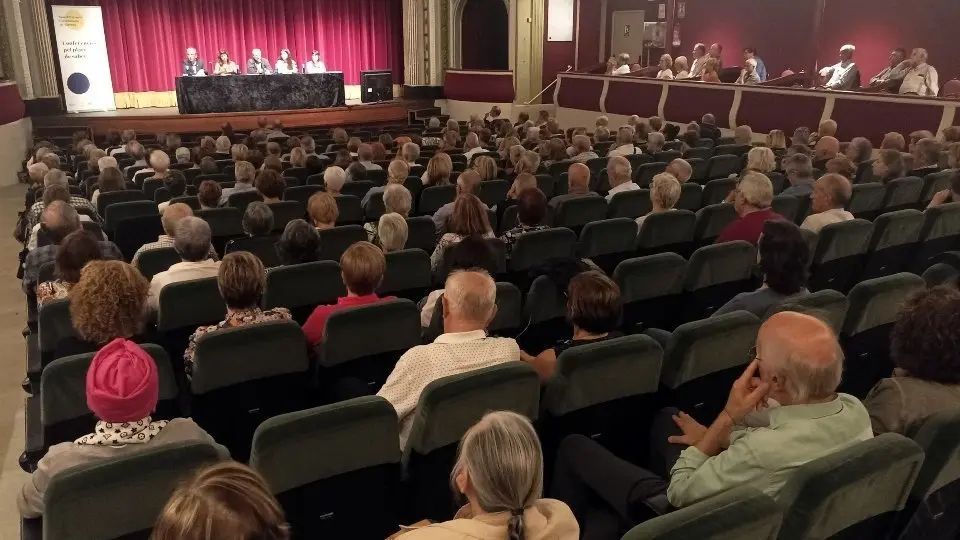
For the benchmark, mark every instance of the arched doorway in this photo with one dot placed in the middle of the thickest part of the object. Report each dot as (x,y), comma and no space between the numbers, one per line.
(484,40)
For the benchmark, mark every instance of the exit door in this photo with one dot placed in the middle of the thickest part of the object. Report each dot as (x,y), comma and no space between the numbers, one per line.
(627,34)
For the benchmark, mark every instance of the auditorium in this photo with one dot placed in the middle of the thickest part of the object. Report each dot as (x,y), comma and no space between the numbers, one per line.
(480,270)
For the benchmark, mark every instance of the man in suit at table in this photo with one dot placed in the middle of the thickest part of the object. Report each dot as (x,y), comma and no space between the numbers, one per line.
(258,65)
(192,66)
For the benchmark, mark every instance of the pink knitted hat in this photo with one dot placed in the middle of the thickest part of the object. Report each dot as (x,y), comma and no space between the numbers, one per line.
(122,382)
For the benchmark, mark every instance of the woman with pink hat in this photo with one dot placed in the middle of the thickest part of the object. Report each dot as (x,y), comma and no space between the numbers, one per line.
(122,391)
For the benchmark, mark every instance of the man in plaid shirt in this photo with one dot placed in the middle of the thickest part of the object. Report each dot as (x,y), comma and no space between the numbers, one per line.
(57,177)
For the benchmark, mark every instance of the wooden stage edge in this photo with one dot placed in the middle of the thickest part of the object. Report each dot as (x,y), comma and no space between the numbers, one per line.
(160,121)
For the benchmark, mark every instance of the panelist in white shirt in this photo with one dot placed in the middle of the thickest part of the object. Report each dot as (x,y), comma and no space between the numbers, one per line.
(623,64)
(286,64)
(314,65)
(699,60)
(666,68)
(920,78)
(842,76)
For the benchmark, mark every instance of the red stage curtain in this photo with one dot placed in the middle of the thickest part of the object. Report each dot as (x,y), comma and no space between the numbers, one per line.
(147,40)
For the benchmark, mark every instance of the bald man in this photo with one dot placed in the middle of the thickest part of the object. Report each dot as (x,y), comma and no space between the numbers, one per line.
(192,65)
(783,411)
(826,149)
(680,169)
(578,184)
(469,304)
(831,193)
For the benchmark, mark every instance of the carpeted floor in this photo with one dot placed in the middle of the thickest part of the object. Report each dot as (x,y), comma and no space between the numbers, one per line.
(12,321)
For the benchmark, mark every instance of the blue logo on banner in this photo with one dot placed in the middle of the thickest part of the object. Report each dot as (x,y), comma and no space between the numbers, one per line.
(78,83)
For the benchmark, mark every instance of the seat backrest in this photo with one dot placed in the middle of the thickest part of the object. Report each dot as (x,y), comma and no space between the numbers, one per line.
(896,229)
(607,236)
(357,188)
(941,221)
(648,277)
(119,211)
(449,406)
(595,373)
(828,305)
(876,302)
(666,156)
(644,174)
(406,269)
(231,356)
(698,152)
(346,335)
(190,303)
(105,200)
(699,348)
(295,449)
(535,247)
(935,182)
(54,324)
(720,263)
(509,308)
(349,210)
(939,436)
(284,212)
(578,211)
(722,164)
(223,222)
(421,233)
(122,496)
(241,200)
(493,192)
(712,219)
(433,197)
(189,200)
(334,242)
(716,191)
(154,261)
(304,284)
(866,479)
(940,274)
(691,197)
(65,379)
(844,239)
(543,301)
(629,204)
(302,194)
(738,513)
(866,198)
(903,192)
(787,206)
(264,247)
(666,229)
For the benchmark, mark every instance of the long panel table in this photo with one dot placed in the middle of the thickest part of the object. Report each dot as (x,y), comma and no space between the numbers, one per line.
(581,97)
(244,93)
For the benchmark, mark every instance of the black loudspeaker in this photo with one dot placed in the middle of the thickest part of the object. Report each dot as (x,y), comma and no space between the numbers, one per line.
(376,86)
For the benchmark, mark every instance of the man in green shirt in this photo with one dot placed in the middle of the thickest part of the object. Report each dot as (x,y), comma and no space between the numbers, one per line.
(783,412)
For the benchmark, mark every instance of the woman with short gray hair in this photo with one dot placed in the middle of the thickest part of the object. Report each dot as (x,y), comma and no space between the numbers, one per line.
(299,243)
(257,219)
(499,471)
(392,232)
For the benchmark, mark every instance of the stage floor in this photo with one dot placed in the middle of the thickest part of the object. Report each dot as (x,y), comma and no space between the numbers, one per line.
(169,119)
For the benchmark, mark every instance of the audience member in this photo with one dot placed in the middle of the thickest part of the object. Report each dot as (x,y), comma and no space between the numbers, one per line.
(245,175)
(397,173)
(784,257)
(799,170)
(531,210)
(362,267)
(831,193)
(191,239)
(680,67)
(655,142)
(708,127)
(620,176)
(578,184)
(925,349)
(241,279)
(486,167)
(438,172)
(55,193)
(860,150)
(777,141)
(499,471)
(333,179)
(926,155)
(392,232)
(469,304)
(893,141)
(582,150)
(257,219)
(794,379)
(761,160)
(323,211)
(271,185)
(843,166)
(594,308)
(397,199)
(122,390)
(889,165)
(299,243)
(58,178)
(751,199)
(469,218)
(664,194)
(74,252)
(680,169)
(467,183)
(743,135)
(173,214)
(209,194)
(625,145)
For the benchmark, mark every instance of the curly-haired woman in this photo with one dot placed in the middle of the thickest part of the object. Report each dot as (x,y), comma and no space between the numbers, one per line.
(925,348)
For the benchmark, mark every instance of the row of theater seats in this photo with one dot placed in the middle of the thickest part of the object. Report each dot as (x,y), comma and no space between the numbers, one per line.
(337,469)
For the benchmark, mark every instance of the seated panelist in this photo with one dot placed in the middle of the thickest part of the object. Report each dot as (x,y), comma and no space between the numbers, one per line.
(286,64)
(258,65)
(192,66)
(224,65)
(314,65)
(843,75)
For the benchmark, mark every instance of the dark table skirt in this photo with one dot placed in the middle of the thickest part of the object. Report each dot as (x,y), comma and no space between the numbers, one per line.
(244,93)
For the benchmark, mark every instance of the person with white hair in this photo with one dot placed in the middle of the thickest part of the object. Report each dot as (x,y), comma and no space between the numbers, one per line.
(192,241)
(782,412)
(680,169)
(842,75)
(625,143)
(582,150)
(223,144)
(655,142)
(192,65)
(392,232)
(469,304)
(620,176)
(245,175)
(36,172)
(666,67)
(751,200)
(258,65)
(499,472)
(333,179)
(921,78)
(182,154)
(139,155)
(169,219)
(623,64)
(471,146)
(831,193)
(748,75)
(410,152)
(664,194)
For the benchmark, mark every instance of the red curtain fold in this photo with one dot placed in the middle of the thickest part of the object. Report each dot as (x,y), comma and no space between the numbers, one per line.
(147,41)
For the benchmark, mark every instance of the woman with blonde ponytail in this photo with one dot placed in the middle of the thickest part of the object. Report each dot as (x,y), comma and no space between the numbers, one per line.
(499,471)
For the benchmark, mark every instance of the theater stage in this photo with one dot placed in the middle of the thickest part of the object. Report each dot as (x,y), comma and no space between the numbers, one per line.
(169,120)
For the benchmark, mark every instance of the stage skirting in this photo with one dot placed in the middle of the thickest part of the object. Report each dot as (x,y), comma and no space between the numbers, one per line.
(479,86)
(242,93)
(580,98)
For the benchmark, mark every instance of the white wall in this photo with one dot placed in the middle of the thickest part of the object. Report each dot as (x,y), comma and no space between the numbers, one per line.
(15,138)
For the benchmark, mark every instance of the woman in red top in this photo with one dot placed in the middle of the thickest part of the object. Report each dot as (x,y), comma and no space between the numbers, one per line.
(362,267)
